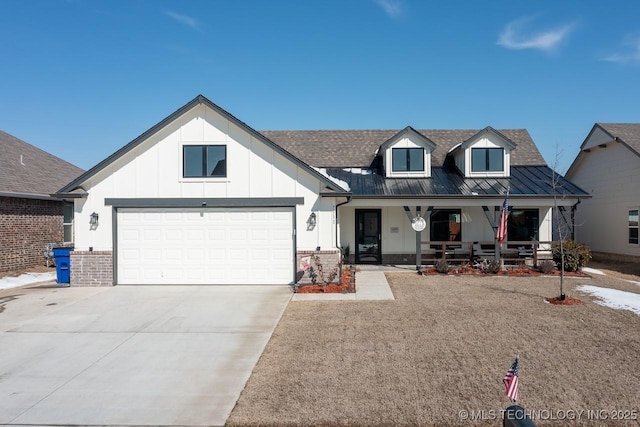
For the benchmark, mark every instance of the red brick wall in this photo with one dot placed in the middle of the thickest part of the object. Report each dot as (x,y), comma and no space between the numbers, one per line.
(26,226)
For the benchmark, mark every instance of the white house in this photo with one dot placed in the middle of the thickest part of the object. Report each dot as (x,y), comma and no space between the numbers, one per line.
(608,167)
(202,198)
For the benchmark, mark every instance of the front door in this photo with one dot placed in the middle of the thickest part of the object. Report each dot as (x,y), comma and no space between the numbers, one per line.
(368,230)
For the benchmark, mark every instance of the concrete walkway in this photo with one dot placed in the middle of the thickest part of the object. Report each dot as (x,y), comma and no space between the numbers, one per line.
(131,355)
(371,285)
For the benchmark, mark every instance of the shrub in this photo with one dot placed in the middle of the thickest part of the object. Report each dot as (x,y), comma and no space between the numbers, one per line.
(488,267)
(319,273)
(547,266)
(575,256)
(442,266)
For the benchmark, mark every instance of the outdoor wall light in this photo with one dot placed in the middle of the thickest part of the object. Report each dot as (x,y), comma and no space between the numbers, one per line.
(94,220)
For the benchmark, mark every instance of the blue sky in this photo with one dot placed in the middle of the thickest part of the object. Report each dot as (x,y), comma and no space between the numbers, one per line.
(81,78)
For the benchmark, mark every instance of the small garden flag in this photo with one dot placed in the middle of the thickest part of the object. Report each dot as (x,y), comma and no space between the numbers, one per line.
(304,263)
(511,381)
(502,227)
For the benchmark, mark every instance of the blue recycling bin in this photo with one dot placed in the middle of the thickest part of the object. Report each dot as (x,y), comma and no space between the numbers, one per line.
(63,264)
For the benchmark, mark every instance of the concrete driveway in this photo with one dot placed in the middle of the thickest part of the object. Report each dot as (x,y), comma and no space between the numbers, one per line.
(149,355)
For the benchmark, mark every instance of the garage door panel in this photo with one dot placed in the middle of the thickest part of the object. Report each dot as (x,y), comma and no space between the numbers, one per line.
(211,246)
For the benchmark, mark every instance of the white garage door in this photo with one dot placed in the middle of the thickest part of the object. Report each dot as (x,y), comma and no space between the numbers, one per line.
(205,246)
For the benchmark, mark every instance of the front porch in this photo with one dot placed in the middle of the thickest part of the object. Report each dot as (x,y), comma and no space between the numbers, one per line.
(512,252)
(458,232)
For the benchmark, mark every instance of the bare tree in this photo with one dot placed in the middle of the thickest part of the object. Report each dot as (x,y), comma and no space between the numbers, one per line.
(562,229)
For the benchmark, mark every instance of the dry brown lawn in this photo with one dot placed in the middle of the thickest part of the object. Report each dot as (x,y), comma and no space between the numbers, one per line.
(443,347)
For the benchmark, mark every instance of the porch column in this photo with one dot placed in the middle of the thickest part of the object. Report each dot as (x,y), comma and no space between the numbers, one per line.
(494,225)
(407,211)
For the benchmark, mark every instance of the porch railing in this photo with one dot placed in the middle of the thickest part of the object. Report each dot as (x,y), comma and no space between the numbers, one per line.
(458,252)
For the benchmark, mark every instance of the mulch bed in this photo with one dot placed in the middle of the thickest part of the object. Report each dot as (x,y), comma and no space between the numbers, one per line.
(343,288)
(566,301)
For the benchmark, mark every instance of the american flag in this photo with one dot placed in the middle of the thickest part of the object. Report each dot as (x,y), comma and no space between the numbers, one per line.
(511,381)
(502,227)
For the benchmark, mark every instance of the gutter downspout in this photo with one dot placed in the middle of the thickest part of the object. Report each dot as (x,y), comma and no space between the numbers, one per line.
(573,219)
(349,197)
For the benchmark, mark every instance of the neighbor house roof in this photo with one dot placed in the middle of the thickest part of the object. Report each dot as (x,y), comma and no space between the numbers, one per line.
(628,133)
(27,171)
(358,148)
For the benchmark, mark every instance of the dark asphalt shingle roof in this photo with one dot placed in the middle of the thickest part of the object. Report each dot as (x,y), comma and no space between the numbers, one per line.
(357,148)
(447,182)
(39,173)
(627,132)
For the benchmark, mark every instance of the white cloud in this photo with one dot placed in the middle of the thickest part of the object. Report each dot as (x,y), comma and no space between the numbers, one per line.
(393,8)
(190,22)
(516,37)
(630,55)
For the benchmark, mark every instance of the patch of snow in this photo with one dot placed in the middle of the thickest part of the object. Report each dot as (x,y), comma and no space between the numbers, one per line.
(613,298)
(635,283)
(358,171)
(340,182)
(592,271)
(25,279)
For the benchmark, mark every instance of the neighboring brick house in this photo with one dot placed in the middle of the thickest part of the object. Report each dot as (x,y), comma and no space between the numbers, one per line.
(29,217)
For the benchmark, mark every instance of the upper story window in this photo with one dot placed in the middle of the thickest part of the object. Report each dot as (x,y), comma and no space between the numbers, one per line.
(633,226)
(407,159)
(201,161)
(487,159)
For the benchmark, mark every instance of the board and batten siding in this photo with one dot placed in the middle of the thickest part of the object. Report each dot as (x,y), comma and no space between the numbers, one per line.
(153,169)
(610,175)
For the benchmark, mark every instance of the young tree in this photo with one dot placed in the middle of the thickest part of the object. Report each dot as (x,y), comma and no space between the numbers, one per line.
(562,229)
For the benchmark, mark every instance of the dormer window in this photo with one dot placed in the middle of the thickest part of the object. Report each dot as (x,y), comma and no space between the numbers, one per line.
(487,159)
(407,159)
(407,154)
(487,154)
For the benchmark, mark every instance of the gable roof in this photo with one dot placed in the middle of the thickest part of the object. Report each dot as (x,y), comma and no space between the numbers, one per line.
(27,171)
(358,148)
(628,133)
(200,99)
(490,130)
(426,142)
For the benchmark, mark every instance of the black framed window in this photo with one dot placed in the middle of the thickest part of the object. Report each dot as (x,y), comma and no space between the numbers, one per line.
(407,159)
(446,225)
(633,226)
(204,161)
(523,225)
(487,159)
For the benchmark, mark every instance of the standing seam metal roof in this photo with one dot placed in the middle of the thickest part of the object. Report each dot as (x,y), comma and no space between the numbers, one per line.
(447,182)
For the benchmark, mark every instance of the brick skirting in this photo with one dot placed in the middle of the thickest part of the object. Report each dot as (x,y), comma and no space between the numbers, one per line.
(329,260)
(91,268)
